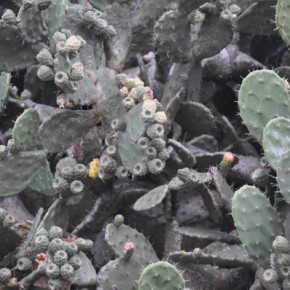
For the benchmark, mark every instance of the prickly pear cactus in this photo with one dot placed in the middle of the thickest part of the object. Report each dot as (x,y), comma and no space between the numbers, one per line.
(17,171)
(276,140)
(137,147)
(4,86)
(161,275)
(25,130)
(282,17)
(263,96)
(257,223)
(283,175)
(117,235)
(151,199)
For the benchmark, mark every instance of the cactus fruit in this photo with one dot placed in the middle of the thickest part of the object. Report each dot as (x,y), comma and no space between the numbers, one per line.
(226,163)
(24,264)
(5,275)
(55,232)
(52,271)
(281,245)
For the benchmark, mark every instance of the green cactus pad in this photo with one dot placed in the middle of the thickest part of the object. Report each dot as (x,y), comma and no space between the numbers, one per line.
(15,54)
(134,123)
(86,93)
(172,36)
(31,22)
(282,19)
(258,18)
(10,242)
(222,255)
(62,129)
(276,140)
(203,45)
(263,96)
(151,199)
(86,274)
(55,18)
(161,276)
(121,274)
(42,181)
(188,159)
(4,86)
(257,223)
(116,238)
(199,115)
(56,215)
(119,16)
(25,130)
(283,176)
(17,171)
(130,153)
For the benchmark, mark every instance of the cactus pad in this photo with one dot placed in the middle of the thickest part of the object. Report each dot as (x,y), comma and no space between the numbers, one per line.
(120,274)
(116,237)
(257,223)
(4,86)
(263,96)
(17,171)
(161,275)
(276,140)
(67,127)
(25,130)
(151,199)
(283,176)
(282,19)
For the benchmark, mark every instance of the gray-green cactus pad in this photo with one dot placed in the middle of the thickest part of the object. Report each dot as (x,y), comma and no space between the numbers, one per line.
(116,237)
(56,215)
(86,274)
(257,223)
(4,86)
(151,199)
(121,274)
(15,53)
(130,153)
(263,96)
(283,181)
(42,180)
(17,171)
(25,130)
(276,140)
(282,19)
(161,276)
(62,129)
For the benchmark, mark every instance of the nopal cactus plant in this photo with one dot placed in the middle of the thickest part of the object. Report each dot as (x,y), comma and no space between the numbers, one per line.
(79,107)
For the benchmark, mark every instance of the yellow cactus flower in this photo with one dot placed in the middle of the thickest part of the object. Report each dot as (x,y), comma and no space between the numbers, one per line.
(94,168)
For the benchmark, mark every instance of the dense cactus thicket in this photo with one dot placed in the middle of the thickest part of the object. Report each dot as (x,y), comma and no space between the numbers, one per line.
(144,144)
